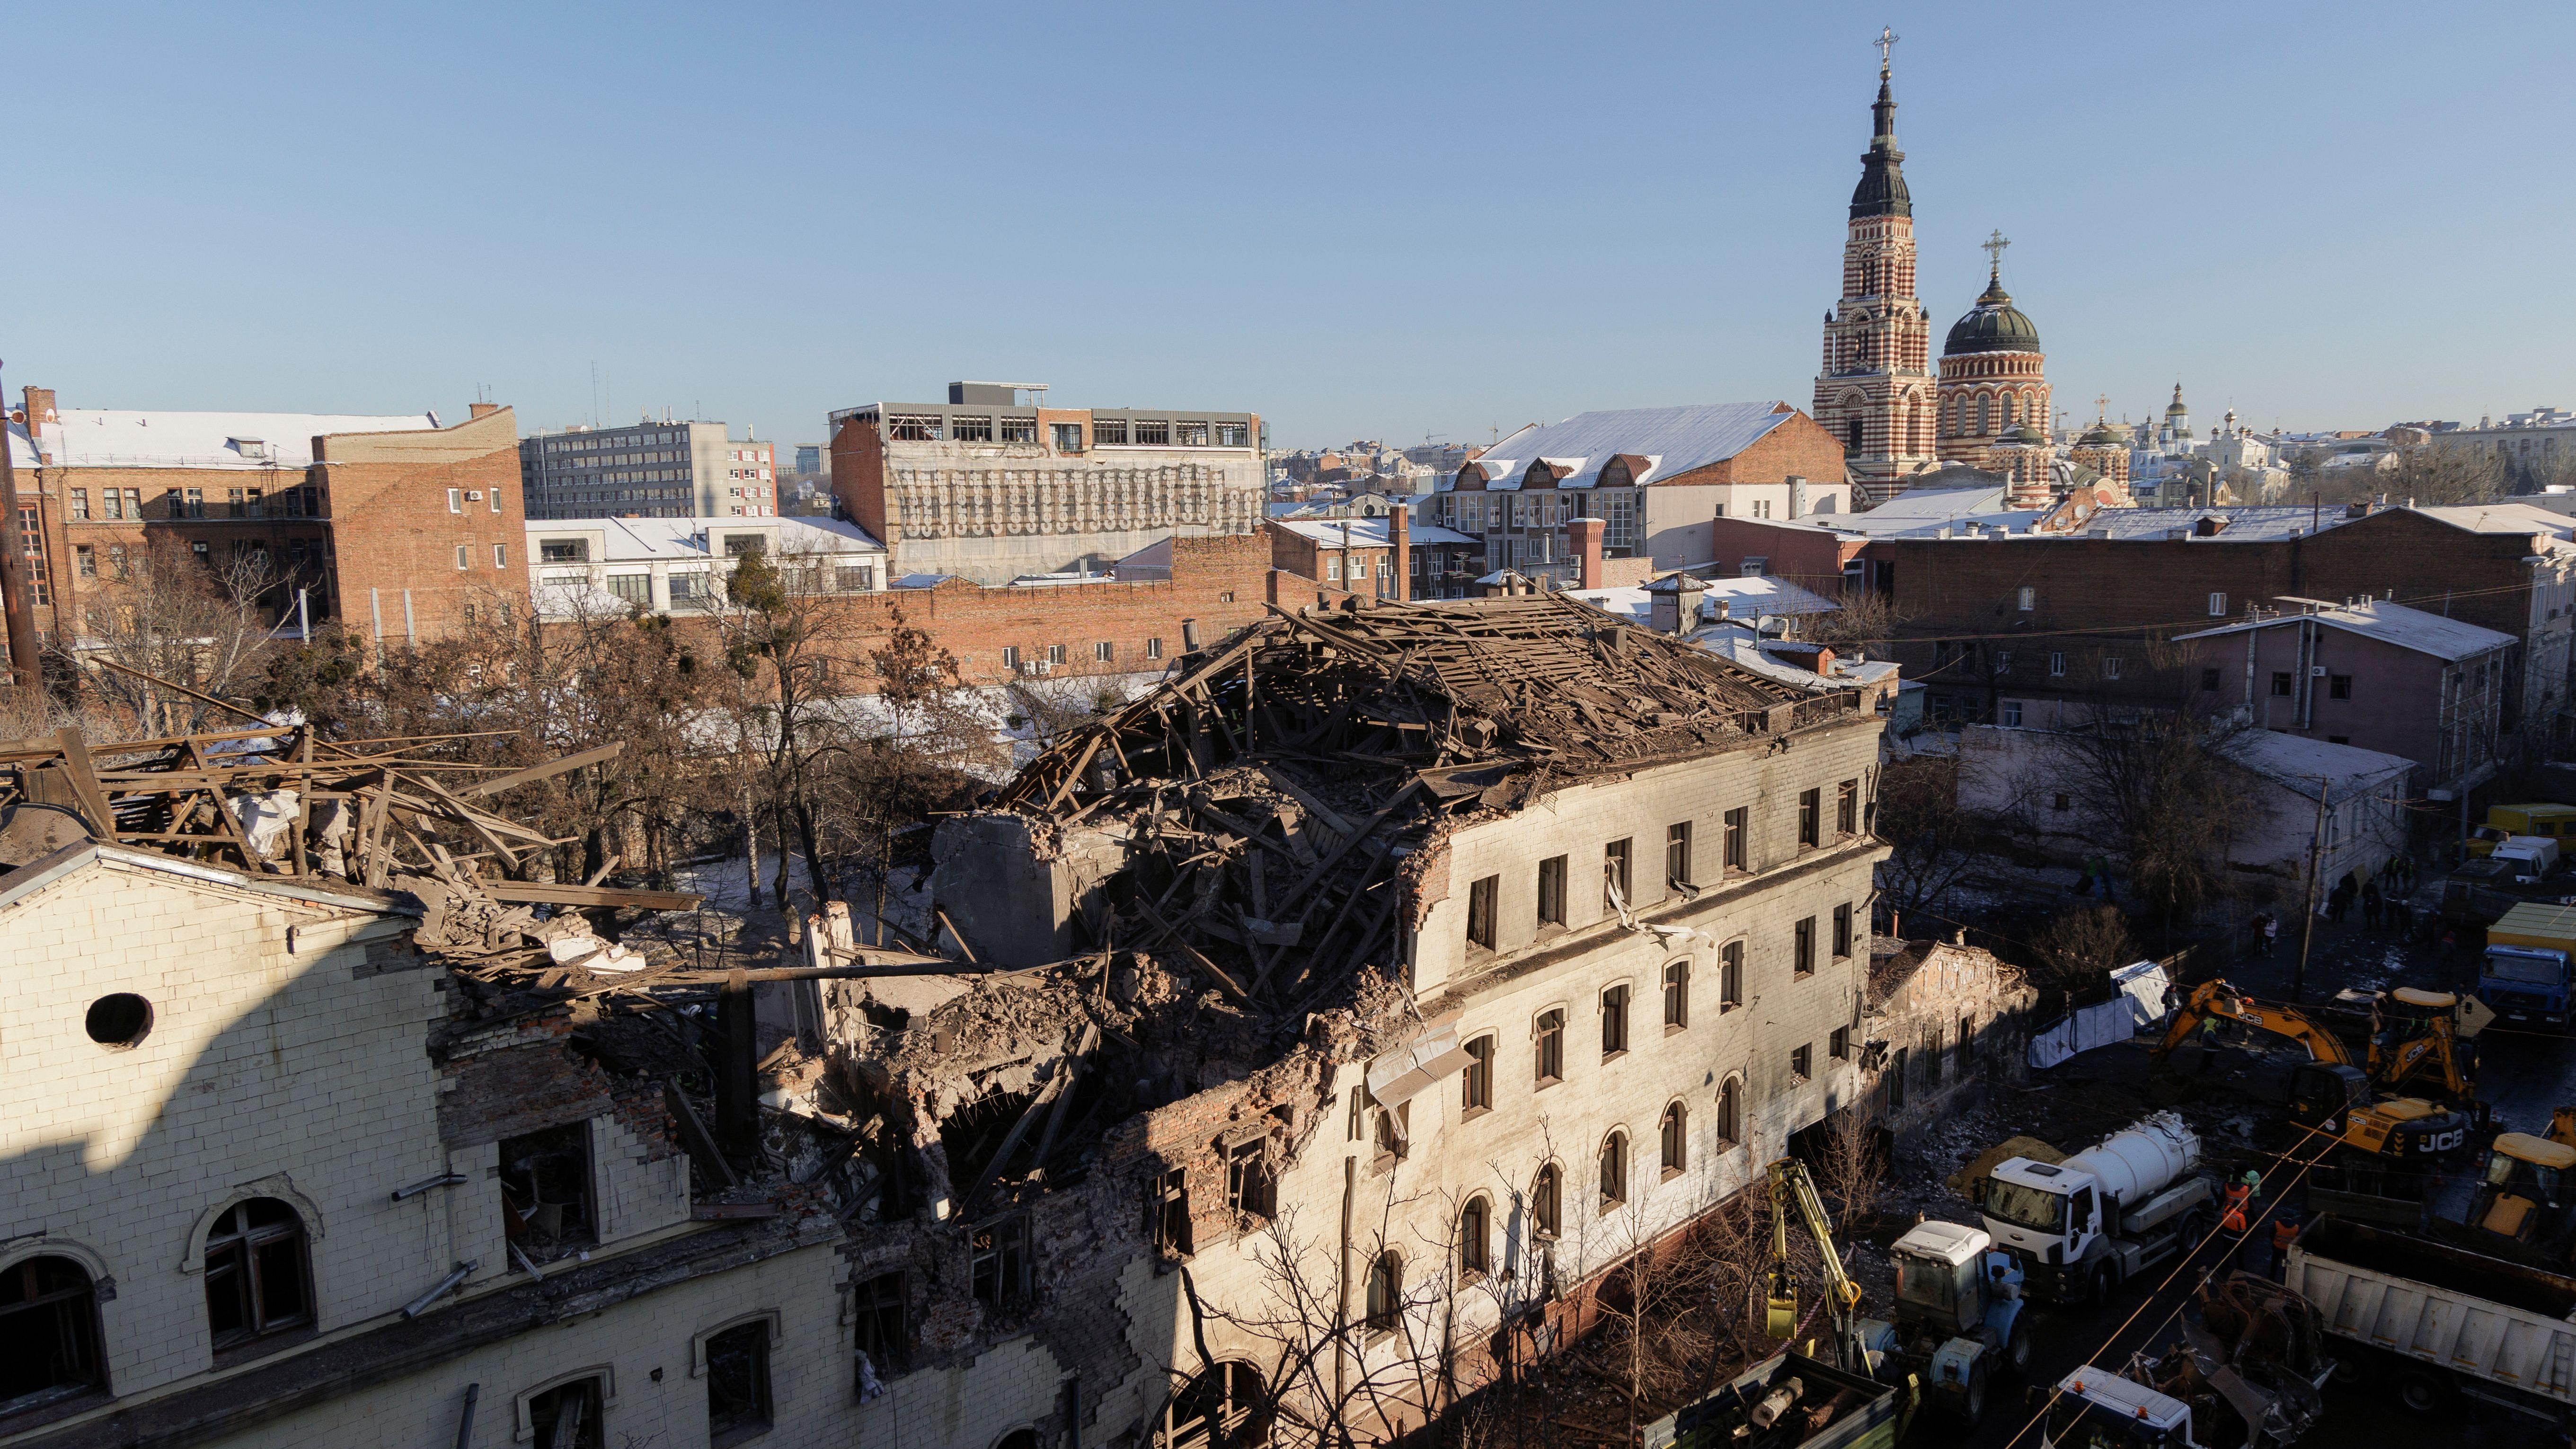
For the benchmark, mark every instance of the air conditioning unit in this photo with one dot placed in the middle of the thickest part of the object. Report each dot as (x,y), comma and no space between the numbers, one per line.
(473,495)
(2316,671)
(1035,668)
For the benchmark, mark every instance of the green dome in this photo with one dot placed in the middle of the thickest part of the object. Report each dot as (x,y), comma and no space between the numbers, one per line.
(1993,325)
(2023,435)
(2100,435)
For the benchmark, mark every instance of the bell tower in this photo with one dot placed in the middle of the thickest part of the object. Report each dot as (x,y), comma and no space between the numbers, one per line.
(1875,392)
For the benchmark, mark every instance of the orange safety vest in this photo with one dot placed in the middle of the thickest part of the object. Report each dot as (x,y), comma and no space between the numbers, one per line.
(2234,1220)
(2284,1232)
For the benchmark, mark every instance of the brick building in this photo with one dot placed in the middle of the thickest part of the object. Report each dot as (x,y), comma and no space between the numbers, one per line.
(394,524)
(1988,615)
(1654,477)
(2372,674)
(990,488)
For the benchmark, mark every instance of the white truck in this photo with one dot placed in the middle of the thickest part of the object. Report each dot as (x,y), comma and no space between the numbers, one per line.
(2531,857)
(2444,1322)
(2081,1227)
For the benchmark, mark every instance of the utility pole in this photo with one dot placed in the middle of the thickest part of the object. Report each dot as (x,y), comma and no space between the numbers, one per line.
(2308,904)
(13,569)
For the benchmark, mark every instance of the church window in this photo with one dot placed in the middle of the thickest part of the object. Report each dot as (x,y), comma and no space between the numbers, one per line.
(1985,414)
(1854,443)
(2012,409)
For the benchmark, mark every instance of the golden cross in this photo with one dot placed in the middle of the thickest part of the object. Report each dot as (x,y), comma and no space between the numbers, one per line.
(1886,43)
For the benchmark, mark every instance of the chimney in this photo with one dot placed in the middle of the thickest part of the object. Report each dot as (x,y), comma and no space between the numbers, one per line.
(481,410)
(1587,549)
(40,410)
(1399,530)
(1797,496)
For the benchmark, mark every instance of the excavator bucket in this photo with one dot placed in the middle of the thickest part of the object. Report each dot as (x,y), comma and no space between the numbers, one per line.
(1782,1319)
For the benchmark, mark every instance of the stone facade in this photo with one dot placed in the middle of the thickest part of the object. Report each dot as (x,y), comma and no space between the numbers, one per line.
(990,511)
(1947,1023)
(283,1056)
(1875,391)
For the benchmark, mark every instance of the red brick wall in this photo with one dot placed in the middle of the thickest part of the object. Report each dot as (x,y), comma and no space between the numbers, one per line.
(391,530)
(1799,447)
(858,478)
(1804,556)
(1223,582)
(1294,553)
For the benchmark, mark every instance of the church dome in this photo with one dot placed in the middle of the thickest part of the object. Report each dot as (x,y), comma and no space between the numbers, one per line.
(2022,435)
(1993,325)
(2175,409)
(2100,435)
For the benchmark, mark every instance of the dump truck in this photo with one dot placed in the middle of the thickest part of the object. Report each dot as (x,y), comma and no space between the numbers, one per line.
(2249,1374)
(2441,1321)
(2081,1227)
(1790,1401)
(2524,976)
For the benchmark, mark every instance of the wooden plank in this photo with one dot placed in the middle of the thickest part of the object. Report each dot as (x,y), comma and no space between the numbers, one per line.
(76,763)
(551,767)
(1232,987)
(547,893)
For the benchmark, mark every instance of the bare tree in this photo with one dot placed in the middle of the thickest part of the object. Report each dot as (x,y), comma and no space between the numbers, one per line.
(1867,619)
(2085,945)
(200,621)
(1932,840)
(1850,1167)
(2157,785)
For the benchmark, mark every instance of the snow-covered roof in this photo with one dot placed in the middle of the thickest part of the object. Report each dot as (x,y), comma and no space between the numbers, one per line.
(119,438)
(2506,518)
(1745,598)
(1671,440)
(2297,762)
(642,540)
(2415,629)
(1367,532)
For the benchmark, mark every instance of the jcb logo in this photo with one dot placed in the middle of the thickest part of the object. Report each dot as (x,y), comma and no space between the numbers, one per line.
(2445,1141)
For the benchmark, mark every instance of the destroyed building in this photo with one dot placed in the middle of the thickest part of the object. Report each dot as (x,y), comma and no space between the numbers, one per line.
(1947,1023)
(1390,973)
(1301,1036)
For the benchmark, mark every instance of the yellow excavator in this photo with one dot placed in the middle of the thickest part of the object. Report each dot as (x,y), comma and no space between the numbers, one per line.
(2414,1034)
(1790,1186)
(2525,1206)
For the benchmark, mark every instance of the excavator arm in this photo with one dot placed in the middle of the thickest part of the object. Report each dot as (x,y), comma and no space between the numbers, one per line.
(1790,1186)
(2219,1000)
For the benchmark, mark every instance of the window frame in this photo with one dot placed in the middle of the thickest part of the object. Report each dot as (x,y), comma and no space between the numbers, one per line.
(1547,1037)
(1811,818)
(1475,1238)
(1547,1202)
(1550,903)
(1615,1001)
(1730,976)
(1010,1253)
(1617,1170)
(1677,974)
(1738,830)
(1618,873)
(760,1333)
(1476,1079)
(1484,899)
(1672,1138)
(246,1243)
(76,1324)
(1730,1111)
(1802,948)
(1677,855)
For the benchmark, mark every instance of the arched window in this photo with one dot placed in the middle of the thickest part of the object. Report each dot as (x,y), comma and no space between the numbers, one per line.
(1614,1170)
(1227,1399)
(1475,1231)
(2012,409)
(1958,415)
(1985,414)
(1730,1110)
(1676,1135)
(1547,1202)
(259,1279)
(1852,435)
(48,1333)
(1385,1291)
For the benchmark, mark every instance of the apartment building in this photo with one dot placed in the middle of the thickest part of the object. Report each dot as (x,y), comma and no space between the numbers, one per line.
(649,469)
(396,525)
(993,485)
(677,565)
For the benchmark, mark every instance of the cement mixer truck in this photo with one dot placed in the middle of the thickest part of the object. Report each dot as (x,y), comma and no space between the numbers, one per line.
(2081,1227)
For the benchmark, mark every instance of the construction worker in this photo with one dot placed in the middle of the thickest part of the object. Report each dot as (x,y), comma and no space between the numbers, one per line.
(2285,1231)
(2237,1220)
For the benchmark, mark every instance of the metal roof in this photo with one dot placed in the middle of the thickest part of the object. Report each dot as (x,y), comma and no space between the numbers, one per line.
(2396,624)
(125,438)
(1674,440)
(1365,532)
(628,540)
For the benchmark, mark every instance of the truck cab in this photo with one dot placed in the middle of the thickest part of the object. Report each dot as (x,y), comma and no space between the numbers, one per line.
(2098,1409)
(2529,1192)
(1959,1319)
(2524,976)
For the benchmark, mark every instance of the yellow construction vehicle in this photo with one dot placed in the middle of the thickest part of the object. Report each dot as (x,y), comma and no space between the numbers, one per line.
(2413,1034)
(1791,1185)
(2525,1207)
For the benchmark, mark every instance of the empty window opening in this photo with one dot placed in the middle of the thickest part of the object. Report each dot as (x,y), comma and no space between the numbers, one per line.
(1676,995)
(546,1192)
(883,1305)
(1614,1022)
(1250,1186)
(1677,854)
(1675,1133)
(1811,818)
(1547,1201)
(119,1019)
(1551,891)
(1000,1252)
(738,1384)
(1481,900)
(1737,822)
(1614,1170)
(1225,1403)
(1551,1047)
(1385,1292)
(1802,960)
(1730,976)
(567,1416)
(1475,1229)
(1167,1213)
(1730,1111)
(1801,1063)
(1476,1082)
(49,1340)
(1616,890)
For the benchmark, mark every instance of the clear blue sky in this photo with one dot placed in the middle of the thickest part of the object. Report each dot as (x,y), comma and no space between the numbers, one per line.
(1360,220)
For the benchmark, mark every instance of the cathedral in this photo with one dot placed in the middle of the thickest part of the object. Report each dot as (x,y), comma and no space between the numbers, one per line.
(1987,406)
